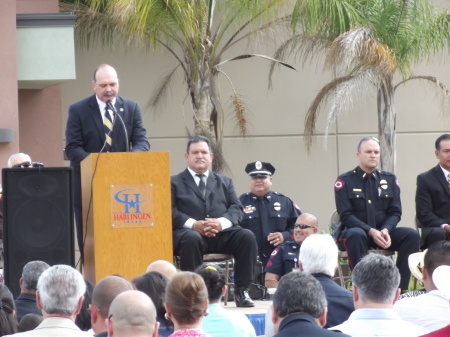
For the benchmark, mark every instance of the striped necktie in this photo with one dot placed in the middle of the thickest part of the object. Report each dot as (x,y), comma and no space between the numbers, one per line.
(107,127)
(201,184)
(448,178)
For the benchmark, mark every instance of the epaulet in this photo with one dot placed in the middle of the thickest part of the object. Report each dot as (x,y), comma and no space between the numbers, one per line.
(347,174)
(279,193)
(244,194)
(386,173)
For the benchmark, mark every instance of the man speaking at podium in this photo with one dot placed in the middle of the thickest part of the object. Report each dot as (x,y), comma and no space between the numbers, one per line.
(103,122)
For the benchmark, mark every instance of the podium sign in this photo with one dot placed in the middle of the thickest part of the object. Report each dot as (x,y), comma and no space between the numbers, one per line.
(132,205)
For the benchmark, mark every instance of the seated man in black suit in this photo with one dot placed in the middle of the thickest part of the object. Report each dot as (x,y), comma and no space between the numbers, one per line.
(300,307)
(26,301)
(205,216)
(433,196)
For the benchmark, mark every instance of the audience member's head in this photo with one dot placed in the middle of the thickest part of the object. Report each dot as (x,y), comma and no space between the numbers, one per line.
(163,267)
(438,254)
(214,278)
(375,282)
(30,276)
(319,254)
(132,314)
(186,299)
(153,284)
(30,322)
(60,291)
(104,293)
(299,292)
(83,320)
(17,159)
(8,323)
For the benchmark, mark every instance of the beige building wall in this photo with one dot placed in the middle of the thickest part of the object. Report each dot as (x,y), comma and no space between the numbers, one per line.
(276,121)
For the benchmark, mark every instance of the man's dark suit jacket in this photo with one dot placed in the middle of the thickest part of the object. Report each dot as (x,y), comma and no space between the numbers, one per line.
(26,304)
(340,300)
(432,200)
(188,201)
(304,325)
(85,135)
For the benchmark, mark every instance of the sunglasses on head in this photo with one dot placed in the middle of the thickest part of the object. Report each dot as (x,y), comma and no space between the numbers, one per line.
(302,226)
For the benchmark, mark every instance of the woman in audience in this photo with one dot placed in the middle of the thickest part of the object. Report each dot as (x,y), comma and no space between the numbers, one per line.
(154,285)
(8,323)
(221,322)
(186,303)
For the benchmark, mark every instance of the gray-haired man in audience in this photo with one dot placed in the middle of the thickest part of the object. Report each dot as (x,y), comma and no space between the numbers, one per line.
(300,308)
(26,301)
(59,295)
(132,314)
(375,289)
(319,257)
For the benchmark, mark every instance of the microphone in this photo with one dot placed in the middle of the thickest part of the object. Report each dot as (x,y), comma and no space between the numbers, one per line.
(111,107)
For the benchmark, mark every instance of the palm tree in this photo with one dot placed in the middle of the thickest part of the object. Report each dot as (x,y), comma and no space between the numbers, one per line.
(368,45)
(196,33)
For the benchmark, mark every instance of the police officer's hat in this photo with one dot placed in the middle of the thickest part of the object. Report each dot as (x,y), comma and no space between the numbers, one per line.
(260,169)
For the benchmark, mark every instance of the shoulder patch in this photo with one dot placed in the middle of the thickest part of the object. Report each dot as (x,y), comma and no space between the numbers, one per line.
(296,206)
(396,181)
(275,252)
(339,184)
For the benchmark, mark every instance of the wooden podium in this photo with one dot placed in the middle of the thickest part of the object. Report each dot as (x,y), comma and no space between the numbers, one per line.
(127,204)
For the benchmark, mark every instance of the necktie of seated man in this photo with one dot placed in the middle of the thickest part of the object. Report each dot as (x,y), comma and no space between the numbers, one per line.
(448,178)
(201,184)
(108,126)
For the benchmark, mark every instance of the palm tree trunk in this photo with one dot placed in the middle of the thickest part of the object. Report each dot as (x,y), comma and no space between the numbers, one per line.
(386,125)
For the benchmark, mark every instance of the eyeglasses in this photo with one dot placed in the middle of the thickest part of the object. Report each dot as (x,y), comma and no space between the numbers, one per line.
(109,317)
(302,226)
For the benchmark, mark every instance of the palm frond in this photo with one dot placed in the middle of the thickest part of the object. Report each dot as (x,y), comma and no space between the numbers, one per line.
(442,92)
(246,56)
(343,92)
(360,48)
(160,93)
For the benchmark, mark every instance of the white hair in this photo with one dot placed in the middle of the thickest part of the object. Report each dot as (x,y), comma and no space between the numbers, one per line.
(22,156)
(319,254)
(60,289)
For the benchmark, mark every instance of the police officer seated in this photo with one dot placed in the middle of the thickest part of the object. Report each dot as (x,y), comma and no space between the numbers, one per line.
(269,215)
(369,206)
(284,258)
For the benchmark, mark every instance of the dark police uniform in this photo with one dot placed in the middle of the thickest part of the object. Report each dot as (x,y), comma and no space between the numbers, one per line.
(361,208)
(280,214)
(283,259)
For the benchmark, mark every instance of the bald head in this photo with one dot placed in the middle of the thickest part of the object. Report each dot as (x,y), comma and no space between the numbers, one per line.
(18,158)
(106,291)
(132,314)
(163,267)
(309,219)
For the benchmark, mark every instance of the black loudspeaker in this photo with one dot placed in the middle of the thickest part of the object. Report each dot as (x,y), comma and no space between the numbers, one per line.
(37,219)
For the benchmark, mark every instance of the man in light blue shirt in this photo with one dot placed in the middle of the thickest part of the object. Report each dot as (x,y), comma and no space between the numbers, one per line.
(375,290)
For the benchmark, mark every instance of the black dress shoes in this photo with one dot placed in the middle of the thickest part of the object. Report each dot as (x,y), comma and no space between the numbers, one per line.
(242,299)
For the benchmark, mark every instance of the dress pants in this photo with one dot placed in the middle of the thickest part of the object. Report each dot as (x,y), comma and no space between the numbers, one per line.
(238,242)
(405,241)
